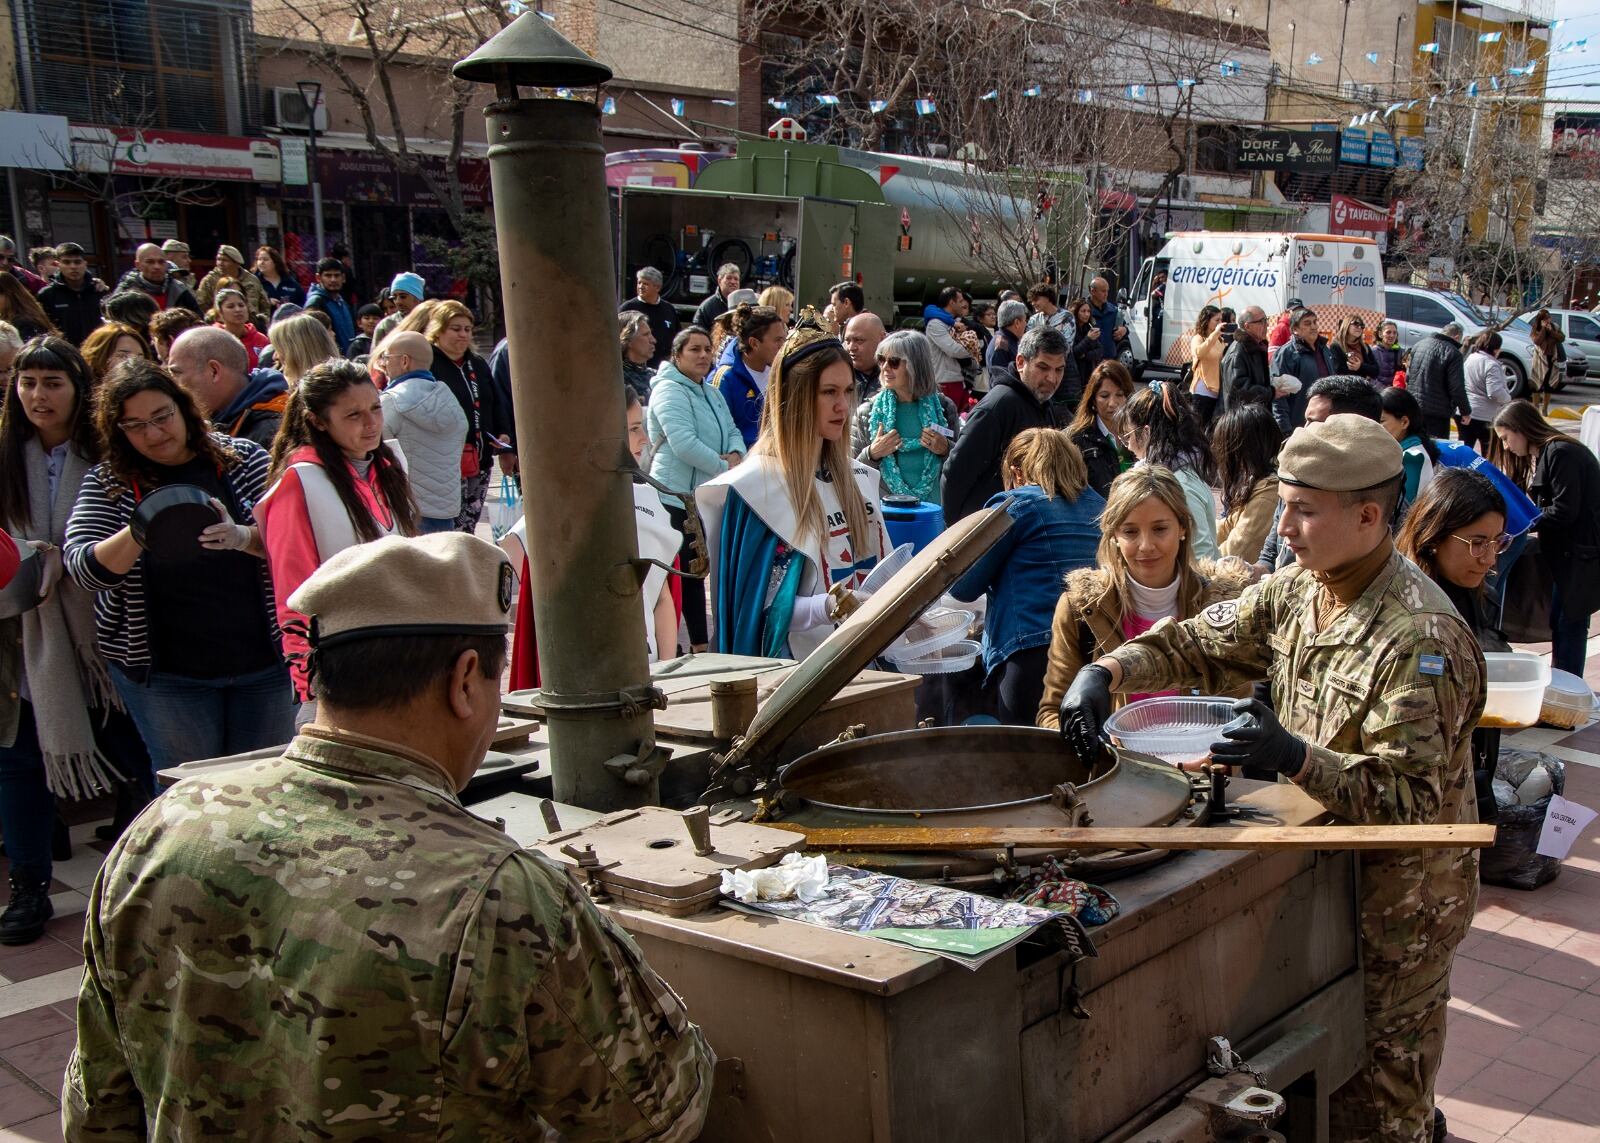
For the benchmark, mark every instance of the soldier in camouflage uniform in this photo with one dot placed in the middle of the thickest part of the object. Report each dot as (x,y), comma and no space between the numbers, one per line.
(327,946)
(1377,685)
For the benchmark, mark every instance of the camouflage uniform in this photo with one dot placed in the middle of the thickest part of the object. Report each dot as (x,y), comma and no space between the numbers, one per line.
(1386,696)
(328,947)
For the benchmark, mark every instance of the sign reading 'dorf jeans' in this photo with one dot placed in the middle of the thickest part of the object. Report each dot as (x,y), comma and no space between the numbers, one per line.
(1288,151)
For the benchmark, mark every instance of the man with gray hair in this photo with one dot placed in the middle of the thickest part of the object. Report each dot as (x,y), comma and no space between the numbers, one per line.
(212,364)
(972,471)
(1010,322)
(150,276)
(1437,378)
(660,313)
(717,304)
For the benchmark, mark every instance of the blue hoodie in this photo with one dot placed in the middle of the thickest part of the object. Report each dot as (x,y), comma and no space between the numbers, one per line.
(338,311)
(745,398)
(258,409)
(937,313)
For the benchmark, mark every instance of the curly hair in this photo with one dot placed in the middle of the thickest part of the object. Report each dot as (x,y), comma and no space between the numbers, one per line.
(126,464)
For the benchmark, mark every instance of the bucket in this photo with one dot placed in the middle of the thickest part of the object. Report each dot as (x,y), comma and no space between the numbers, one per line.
(916,524)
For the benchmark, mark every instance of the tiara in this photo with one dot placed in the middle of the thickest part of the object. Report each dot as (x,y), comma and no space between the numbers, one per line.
(807,337)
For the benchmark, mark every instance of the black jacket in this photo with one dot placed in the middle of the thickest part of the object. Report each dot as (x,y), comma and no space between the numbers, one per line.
(1566,485)
(1000,358)
(171,295)
(1101,457)
(1309,363)
(472,384)
(1245,375)
(1087,352)
(75,310)
(972,470)
(664,324)
(1437,377)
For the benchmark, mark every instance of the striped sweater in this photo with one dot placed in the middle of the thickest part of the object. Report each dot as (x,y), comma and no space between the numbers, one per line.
(119,608)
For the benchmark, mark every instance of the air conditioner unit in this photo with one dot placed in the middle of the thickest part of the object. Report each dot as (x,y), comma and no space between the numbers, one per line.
(289,110)
(1185,189)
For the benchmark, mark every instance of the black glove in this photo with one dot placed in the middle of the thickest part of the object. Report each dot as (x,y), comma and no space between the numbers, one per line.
(1084,710)
(1258,739)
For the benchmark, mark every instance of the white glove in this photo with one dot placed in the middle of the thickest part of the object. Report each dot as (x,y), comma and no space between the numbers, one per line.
(810,611)
(226,536)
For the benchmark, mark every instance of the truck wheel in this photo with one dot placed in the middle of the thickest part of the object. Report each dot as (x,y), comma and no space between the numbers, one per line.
(1517,381)
(735,250)
(660,252)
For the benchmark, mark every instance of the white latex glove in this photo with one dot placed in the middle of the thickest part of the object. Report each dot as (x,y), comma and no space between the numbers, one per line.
(226,536)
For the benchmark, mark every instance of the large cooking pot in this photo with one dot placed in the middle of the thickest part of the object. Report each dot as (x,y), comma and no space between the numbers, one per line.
(948,776)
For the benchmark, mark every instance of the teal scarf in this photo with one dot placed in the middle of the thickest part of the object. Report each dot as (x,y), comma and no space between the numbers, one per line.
(881,418)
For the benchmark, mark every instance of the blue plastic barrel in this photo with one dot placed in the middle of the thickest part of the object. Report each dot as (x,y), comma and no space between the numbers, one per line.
(918,525)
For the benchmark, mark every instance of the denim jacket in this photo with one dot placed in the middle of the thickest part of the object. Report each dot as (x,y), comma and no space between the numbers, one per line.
(1023,572)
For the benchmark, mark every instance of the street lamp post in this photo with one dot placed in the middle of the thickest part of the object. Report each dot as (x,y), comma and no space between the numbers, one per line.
(311,95)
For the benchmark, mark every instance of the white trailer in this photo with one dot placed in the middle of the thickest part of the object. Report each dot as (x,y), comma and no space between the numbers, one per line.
(1333,274)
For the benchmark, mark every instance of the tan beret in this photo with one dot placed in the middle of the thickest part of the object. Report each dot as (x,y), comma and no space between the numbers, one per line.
(1345,453)
(173,246)
(231,253)
(447,583)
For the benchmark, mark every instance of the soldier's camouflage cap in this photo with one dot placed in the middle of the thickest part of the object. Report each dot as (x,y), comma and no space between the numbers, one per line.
(447,583)
(1345,453)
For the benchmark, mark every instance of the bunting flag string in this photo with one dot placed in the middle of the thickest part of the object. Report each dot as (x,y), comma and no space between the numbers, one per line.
(609,107)
(678,107)
(877,106)
(926,107)
(1313,60)
(1489,38)
(989,96)
(828,100)
(1431,48)
(1372,57)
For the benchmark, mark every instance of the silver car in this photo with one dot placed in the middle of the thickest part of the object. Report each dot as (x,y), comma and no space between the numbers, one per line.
(1418,312)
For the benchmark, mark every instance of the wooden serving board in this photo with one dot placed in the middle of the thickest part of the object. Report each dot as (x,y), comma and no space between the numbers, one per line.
(513,731)
(890,840)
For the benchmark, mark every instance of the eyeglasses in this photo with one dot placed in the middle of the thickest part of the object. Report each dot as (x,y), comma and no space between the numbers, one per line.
(159,421)
(1254,321)
(895,362)
(1479,546)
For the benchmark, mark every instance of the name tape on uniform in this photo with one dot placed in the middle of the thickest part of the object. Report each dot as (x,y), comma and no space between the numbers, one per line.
(1563,822)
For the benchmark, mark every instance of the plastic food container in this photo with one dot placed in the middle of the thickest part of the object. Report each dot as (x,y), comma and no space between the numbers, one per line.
(1517,682)
(1174,729)
(1568,701)
(885,569)
(934,630)
(948,660)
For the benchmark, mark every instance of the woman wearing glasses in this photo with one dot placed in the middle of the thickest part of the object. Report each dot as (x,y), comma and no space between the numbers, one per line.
(905,430)
(1350,349)
(1565,483)
(1455,532)
(189,635)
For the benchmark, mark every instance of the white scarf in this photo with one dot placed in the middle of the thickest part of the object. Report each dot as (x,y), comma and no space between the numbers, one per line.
(60,654)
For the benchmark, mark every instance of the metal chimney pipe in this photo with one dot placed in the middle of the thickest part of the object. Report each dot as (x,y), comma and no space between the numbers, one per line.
(547,167)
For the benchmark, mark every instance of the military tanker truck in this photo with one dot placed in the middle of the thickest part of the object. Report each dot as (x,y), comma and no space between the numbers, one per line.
(806,216)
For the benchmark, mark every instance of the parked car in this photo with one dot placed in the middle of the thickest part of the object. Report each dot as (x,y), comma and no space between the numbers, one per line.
(1418,312)
(1583,337)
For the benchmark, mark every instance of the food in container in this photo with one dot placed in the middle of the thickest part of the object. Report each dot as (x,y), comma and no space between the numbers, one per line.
(1568,701)
(1516,683)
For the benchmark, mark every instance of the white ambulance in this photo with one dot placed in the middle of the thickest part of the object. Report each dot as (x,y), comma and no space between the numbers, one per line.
(1335,275)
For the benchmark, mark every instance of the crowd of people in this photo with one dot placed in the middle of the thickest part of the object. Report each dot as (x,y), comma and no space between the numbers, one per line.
(1280,495)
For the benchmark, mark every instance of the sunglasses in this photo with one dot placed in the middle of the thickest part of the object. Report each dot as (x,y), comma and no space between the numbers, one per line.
(896,362)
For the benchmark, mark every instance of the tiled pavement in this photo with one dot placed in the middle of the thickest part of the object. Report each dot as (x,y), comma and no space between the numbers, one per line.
(1522,1062)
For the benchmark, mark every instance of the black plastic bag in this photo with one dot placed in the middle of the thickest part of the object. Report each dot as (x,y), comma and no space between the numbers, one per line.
(1513,860)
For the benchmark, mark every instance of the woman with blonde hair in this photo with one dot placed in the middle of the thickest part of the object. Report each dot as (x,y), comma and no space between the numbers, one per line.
(457,364)
(780,299)
(795,527)
(1147,572)
(1055,530)
(1350,349)
(299,344)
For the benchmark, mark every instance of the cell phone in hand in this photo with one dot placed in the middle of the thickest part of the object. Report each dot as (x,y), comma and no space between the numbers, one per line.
(1229,330)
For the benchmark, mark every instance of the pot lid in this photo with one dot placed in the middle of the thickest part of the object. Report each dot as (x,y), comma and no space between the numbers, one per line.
(859,640)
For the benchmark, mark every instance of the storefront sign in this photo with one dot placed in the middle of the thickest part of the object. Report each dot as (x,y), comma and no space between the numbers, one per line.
(296,168)
(1411,154)
(1353,146)
(1576,133)
(1348,215)
(1382,152)
(1287,151)
(368,177)
(157,153)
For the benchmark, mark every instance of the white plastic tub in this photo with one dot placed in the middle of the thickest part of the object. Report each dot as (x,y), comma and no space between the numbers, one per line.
(1176,729)
(1517,682)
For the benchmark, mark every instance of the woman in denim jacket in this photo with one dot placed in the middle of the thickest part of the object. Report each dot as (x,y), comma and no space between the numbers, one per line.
(1054,530)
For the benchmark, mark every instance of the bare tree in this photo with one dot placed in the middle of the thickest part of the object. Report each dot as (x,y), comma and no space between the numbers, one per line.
(389,59)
